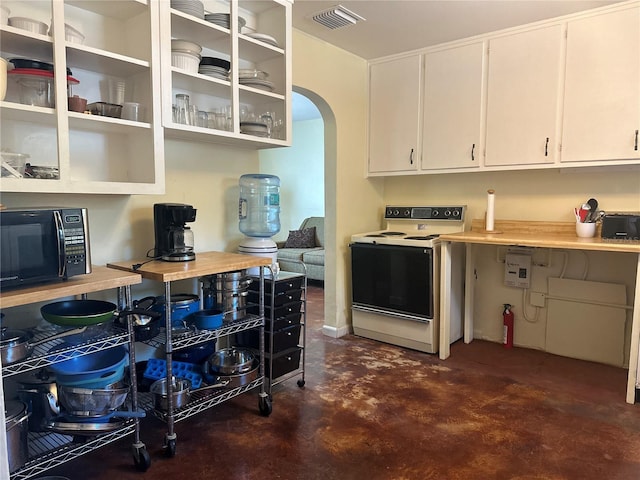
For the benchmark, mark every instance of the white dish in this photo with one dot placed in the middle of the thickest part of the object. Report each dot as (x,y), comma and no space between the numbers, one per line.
(185,45)
(262,37)
(185,61)
(29,24)
(257,83)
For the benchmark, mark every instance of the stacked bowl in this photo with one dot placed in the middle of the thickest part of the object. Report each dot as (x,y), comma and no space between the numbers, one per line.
(214,67)
(185,55)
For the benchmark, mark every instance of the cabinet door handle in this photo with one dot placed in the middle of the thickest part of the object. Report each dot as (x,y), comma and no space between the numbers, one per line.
(411,157)
(635,145)
(546,147)
(473,157)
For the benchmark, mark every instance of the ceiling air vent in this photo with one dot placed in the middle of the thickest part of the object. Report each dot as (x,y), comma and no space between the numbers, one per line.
(336,17)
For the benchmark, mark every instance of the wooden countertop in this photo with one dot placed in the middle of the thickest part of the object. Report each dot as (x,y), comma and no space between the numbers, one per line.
(101,278)
(206,263)
(539,234)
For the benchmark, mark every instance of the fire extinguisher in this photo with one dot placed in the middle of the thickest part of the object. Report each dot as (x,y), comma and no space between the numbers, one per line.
(507,325)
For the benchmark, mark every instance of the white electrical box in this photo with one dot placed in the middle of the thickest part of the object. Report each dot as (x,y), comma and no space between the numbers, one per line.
(517,270)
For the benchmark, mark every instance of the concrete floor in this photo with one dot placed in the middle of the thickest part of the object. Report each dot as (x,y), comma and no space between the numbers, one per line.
(374,411)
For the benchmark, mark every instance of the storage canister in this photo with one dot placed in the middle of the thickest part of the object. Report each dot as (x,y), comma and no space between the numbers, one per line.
(16,418)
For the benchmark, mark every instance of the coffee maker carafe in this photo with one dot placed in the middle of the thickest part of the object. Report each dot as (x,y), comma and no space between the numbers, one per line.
(174,240)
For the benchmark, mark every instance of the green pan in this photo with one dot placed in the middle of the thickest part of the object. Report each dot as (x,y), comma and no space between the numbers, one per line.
(77,313)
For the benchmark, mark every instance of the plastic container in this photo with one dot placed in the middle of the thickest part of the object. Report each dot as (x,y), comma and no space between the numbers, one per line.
(259,206)
(105,109)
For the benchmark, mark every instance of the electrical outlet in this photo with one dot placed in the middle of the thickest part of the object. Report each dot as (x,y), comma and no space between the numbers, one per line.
(537,299)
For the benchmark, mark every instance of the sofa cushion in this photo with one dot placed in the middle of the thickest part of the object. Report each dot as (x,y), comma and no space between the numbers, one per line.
(313,257)
(317,222)
(305,238)
(295,253)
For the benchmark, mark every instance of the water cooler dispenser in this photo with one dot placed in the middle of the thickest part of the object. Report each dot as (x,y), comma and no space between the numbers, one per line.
(259,215)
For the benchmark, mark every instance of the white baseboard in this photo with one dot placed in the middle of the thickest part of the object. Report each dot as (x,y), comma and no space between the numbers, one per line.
(334,332)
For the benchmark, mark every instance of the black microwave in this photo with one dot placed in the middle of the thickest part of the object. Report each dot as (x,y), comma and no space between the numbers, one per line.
(43,244)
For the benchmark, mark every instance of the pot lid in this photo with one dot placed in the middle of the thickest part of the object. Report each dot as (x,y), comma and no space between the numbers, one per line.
(14,409)
(10,337)
(34,64)
(34,72)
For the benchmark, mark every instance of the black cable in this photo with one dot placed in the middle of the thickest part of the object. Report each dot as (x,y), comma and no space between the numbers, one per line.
(136,266)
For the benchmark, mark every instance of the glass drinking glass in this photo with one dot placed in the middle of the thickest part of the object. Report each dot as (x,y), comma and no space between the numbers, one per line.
(183,107)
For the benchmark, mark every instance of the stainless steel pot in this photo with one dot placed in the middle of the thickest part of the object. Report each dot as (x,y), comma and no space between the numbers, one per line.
(234,381)
(16,424)
(39,391)
(181,392)
(230,361)
(15,344)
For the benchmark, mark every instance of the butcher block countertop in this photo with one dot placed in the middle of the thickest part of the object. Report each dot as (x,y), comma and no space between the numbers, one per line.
(206,263)
(539,234)
(101,278)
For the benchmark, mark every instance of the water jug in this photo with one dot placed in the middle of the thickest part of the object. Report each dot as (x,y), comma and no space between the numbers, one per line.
(259,207)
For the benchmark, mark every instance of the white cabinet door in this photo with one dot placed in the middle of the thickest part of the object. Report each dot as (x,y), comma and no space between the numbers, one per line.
(394,115)
(453,89)
(602,89)
(523,97)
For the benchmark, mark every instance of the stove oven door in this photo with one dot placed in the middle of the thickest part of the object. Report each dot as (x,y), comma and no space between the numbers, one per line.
(393,279)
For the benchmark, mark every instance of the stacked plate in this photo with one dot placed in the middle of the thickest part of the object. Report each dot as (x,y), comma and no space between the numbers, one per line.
(254,128)
(263,37)
(224,20)
(255,79)
(190,7)
(215,67)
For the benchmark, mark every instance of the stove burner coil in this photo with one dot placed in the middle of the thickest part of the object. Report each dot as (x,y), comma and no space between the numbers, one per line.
(425,237)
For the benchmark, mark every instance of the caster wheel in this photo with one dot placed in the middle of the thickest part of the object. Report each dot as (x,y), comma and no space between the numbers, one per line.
(265,406)
(301,383)
(141,459)
(170,447)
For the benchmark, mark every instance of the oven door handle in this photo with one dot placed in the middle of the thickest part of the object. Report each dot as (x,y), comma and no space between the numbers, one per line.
(406,316)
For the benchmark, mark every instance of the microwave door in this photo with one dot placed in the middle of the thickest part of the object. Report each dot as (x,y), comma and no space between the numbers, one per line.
(30,248)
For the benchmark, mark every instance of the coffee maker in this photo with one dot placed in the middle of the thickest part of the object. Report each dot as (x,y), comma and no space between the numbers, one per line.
(174,240)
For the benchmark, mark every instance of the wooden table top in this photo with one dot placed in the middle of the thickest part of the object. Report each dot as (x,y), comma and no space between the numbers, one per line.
(101,278)
(205,263)
(539,234)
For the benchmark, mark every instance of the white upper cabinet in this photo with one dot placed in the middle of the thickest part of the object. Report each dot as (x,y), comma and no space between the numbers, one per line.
(453,107)
(249,105)
(108,52)
(523,97)
(602,90)
(394,115)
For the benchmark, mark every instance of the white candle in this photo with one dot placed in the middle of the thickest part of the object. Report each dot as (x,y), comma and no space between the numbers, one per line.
(491,203)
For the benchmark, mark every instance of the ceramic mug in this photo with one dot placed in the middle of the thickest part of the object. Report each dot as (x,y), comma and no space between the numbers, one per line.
(585,230)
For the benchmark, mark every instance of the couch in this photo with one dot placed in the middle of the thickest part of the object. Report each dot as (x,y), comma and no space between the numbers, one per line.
(304,246)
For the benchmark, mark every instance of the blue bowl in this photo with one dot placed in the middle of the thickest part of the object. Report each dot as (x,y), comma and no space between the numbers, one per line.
(99,368)
(206,319)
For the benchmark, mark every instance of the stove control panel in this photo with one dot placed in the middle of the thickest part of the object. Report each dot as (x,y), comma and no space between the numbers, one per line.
(447,213)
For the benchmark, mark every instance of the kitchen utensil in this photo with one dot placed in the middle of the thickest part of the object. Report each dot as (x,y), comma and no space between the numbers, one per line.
(70,425)
(91,402)
(78,312)
(132,111)
(230,361)
(40,392)
(88,371)
(29,24)
(77,104)
(157,370)
(146,322)
(182,305)
(196,354)
(181,392)
(16,426)
(593,210)
(105,109)
(206,319)
(15,345)
(233,381)
(585,229)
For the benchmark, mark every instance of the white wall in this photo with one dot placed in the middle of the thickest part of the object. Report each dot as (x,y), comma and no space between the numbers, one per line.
(301,172)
